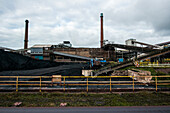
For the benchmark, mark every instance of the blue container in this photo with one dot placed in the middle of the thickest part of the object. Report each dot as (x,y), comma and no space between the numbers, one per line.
(120,59)
(102,60)
(39,57)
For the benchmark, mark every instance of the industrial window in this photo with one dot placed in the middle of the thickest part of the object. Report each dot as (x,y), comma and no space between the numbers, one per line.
(36,50)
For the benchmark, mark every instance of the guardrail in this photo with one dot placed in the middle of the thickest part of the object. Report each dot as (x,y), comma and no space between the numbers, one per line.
(66,82)
(153,64)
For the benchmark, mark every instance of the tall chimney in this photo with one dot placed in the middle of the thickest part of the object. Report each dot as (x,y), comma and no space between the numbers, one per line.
(101,36)
(26,35)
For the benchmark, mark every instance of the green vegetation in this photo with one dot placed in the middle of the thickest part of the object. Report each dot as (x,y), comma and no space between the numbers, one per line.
(84,99)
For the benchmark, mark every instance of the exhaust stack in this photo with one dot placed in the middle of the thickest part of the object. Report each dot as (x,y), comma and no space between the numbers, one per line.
(26,35)
(101,35)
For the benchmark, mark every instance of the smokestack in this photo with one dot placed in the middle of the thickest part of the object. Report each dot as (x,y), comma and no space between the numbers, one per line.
(26,35)
(101,36)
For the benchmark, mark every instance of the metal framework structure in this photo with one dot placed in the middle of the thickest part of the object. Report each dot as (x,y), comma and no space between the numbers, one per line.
(73,56)
(133,48)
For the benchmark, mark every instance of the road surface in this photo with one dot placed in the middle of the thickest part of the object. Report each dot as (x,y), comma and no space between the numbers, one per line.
(150,109)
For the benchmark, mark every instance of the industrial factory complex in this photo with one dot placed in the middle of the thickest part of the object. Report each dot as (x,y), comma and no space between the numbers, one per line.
(108,51)
(64,59)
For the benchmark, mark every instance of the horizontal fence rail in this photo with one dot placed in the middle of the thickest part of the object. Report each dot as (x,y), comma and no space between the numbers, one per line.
(153,64)
(81,82)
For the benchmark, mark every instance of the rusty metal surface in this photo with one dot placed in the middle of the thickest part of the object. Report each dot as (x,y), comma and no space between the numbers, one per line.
(101,43)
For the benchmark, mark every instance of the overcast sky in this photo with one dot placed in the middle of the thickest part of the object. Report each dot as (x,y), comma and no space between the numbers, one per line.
(53,21)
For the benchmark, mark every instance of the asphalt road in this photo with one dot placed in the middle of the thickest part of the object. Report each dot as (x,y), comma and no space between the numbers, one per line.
(150,109)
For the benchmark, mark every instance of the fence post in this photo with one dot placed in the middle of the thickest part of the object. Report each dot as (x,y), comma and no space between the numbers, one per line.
(64,84)
(87,85)
(40,83)
(157,63)
(141,63)
(110,84)
(156,83)
(17,84)
(133,83)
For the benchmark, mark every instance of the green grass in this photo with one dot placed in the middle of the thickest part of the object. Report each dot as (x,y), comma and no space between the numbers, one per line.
(84,99)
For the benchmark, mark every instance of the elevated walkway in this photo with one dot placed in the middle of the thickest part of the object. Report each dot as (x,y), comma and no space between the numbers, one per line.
(155,54)
(133,48)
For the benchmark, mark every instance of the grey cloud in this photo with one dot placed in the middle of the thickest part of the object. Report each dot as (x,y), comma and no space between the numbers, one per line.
(155,12)
(53,21)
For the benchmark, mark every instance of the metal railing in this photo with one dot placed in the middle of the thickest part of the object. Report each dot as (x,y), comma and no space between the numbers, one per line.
(67,82)
(153,64)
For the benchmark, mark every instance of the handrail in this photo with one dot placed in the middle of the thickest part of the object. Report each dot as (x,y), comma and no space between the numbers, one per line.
(66,81)
(76,76)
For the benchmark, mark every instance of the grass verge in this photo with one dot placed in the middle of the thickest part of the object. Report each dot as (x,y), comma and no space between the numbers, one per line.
(84,99)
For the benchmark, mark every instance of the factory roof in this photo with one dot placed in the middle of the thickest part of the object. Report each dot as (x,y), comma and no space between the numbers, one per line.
(73,56)
(41,45)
